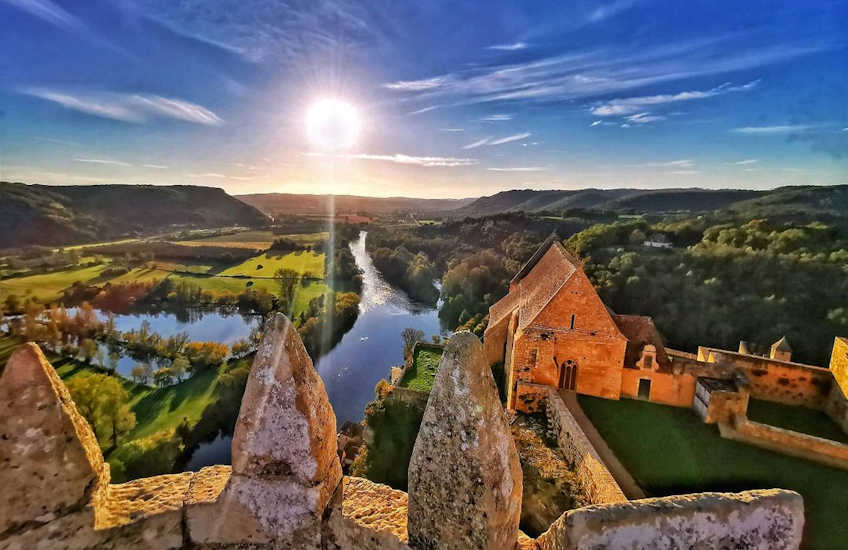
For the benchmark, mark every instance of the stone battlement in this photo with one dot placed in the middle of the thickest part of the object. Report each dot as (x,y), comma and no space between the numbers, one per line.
(285,489)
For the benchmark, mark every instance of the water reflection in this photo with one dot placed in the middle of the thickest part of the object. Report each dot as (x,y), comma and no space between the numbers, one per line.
(363,356)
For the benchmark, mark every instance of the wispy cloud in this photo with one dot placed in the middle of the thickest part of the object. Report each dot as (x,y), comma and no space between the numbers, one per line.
(780,129)
(135,108)
(508,47)
(478,143)
(598,72)
(519,169)
(416,85)
(496,118)
(429,162)
(424,110)
(746,162)
(48,11)
(683,163)
(609,10)
(644,118)
(596,123)
(102,161)
(451,129)
(155,166)
(508,139)
(683,172)
(628,105)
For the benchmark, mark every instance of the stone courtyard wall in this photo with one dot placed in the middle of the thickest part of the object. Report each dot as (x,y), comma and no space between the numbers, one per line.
(598,484)
(836,405)
(786,442)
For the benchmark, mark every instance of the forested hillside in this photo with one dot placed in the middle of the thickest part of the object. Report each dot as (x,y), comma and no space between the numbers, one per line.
(58,215)
(816,200)
(276,204)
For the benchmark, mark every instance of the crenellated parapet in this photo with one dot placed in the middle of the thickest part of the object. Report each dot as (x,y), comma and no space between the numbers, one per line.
(285,488)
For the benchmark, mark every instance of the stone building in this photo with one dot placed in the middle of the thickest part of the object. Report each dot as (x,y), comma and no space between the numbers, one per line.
(552,330)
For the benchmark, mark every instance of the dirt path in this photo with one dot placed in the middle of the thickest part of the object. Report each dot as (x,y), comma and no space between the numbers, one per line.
(628,485)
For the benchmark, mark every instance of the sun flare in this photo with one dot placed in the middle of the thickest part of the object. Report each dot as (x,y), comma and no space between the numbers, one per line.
(332,124)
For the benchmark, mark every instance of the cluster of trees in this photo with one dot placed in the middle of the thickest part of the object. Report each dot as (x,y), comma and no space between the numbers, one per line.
(412,273)
(104,403)
(753,280)
(326,320)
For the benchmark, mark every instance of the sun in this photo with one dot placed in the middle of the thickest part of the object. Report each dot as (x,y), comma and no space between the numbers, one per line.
(332,124)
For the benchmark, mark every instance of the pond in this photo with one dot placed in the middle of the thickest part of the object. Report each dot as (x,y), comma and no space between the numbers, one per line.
(201,325)
(364,355)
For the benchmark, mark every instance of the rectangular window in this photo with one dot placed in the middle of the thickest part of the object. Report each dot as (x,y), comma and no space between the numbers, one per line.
(572,321)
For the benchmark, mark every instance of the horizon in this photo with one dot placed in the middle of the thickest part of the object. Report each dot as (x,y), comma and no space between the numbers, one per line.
(403,101)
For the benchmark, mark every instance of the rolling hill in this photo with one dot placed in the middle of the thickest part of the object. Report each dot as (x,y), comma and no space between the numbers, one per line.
(275,204)
(59,215)
(620,200)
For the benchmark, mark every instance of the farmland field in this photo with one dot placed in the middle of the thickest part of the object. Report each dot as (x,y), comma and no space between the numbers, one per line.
(266,264)
(257,240)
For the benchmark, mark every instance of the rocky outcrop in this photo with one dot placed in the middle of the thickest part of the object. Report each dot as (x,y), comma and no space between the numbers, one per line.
(285,466)
(465,479)
(751,520)
(50,462)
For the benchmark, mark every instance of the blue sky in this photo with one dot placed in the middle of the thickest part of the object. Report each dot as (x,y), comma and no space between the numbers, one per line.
(455,98)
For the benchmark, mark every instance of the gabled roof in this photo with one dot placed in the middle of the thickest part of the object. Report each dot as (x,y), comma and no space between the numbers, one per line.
(782,345)
(541,285)
(639,331)
(553,239)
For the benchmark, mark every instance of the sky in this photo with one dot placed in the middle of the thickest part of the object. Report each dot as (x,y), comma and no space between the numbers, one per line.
(452,99)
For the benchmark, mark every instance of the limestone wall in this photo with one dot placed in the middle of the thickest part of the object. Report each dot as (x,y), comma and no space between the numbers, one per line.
(787,442)
(779,381)
(754,520)
(596,481)
(836,405)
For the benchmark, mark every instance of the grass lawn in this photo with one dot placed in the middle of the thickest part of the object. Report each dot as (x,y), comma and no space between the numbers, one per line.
(423,370)
(799,419)
(669,451)
(265,265)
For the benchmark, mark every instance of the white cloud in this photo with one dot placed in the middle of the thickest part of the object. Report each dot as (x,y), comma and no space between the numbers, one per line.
(508,47)
(451,129)
(629,105)
(477,143)
(103,161)
(414,160)
(508,139)
(519,169)
(48,11)
(135,108)
(496,118)
(609,10)
(597,72)
(596,123)
(155,166)
(424,110)
(746,162)
(416,85)
(781,129)
(644,118)
(683,163)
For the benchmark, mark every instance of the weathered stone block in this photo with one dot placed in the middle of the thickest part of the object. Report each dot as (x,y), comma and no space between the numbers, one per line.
(50,462)
(285,467)
(465,479)
(762,520)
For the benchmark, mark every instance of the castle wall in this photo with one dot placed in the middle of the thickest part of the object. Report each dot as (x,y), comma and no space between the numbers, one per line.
(755,520)
(596,481)
(786,442)
(666,388)
(836,405)
(782,382)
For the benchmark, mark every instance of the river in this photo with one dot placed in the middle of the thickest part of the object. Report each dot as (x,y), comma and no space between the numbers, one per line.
(363,356)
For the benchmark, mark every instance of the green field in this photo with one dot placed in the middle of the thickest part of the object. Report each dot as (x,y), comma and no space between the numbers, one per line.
(48,287)
(799,419)
(265,265)
(669,451)
(259,240)
(421,374)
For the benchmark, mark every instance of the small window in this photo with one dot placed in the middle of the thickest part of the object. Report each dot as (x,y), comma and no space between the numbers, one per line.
(572,321)
(649,361)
